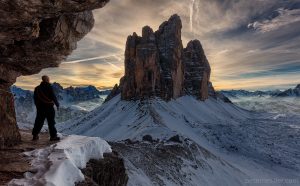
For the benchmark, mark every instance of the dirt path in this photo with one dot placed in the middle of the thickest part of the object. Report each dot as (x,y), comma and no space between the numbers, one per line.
(13,163)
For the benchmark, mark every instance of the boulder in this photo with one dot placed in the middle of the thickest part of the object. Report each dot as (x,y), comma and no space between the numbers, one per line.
(107,171)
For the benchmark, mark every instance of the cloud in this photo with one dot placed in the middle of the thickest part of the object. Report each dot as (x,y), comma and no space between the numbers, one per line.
(92,59)
(284,18)
(98,73)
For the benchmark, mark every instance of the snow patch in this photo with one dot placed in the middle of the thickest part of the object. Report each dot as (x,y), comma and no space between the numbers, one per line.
(60,163)
(279,116)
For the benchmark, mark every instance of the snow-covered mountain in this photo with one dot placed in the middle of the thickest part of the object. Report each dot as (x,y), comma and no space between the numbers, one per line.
(245,93)
(293,92)
(189,141)
(283,106)
(76,94)
(75,102)
(284,103)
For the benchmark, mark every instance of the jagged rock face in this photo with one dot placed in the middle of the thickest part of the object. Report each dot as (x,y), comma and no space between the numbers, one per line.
(57,38)
(156,64)
(197,70)
(170,52)
(38,34)
(294,92)
(9,134)
(107,171)
(142,73)
(114,92)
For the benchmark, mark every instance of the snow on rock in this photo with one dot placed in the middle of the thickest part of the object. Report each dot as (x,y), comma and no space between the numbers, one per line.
(254,145)
(60,164)
(119,120)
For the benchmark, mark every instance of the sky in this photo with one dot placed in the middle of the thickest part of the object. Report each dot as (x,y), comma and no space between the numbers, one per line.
(250,44)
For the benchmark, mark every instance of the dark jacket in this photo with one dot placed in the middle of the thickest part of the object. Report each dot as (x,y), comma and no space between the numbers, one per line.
(44,96)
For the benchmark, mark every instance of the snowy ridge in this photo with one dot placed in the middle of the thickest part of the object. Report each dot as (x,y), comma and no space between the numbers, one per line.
(64,158)
(119,120)
(239,145)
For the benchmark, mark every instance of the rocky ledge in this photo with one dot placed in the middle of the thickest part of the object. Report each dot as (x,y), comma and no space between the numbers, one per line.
(34,35)
(156,64)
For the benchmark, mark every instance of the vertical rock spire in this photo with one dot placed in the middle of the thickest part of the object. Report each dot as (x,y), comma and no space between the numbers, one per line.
(156,64)
(197,70)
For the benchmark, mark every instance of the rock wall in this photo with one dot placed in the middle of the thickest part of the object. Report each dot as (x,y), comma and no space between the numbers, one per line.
(197,70)
(170,52)
(37,34)
(114,92)
(156,64)
(153,62)
(9,133)
(105,172)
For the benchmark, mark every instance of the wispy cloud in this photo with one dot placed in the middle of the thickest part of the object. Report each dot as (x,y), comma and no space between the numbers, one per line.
(285,17)
(93,58)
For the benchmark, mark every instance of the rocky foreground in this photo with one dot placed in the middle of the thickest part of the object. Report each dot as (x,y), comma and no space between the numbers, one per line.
(42,162)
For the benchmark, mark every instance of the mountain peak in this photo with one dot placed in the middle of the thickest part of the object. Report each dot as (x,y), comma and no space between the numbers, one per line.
(57,86)
(173,22)
(156,64)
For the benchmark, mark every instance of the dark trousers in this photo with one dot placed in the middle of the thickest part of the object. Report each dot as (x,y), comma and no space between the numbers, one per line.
(41,115)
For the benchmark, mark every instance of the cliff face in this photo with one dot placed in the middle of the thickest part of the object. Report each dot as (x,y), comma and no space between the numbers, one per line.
(156,64)
(9,134)
(153,64)
(34,35)
(197,70)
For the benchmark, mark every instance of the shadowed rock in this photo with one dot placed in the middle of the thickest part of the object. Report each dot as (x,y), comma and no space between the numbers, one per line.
(107,171)
(197,70)
(156,64)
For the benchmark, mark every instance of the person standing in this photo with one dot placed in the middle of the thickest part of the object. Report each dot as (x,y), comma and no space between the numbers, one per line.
(44,100)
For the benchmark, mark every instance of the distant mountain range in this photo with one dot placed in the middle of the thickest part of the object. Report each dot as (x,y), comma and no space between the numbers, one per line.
(69,94)
(74,101)
(292,92)
(75,94)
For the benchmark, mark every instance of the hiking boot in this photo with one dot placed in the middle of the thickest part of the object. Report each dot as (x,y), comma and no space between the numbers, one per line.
(35,137)
(55,138)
